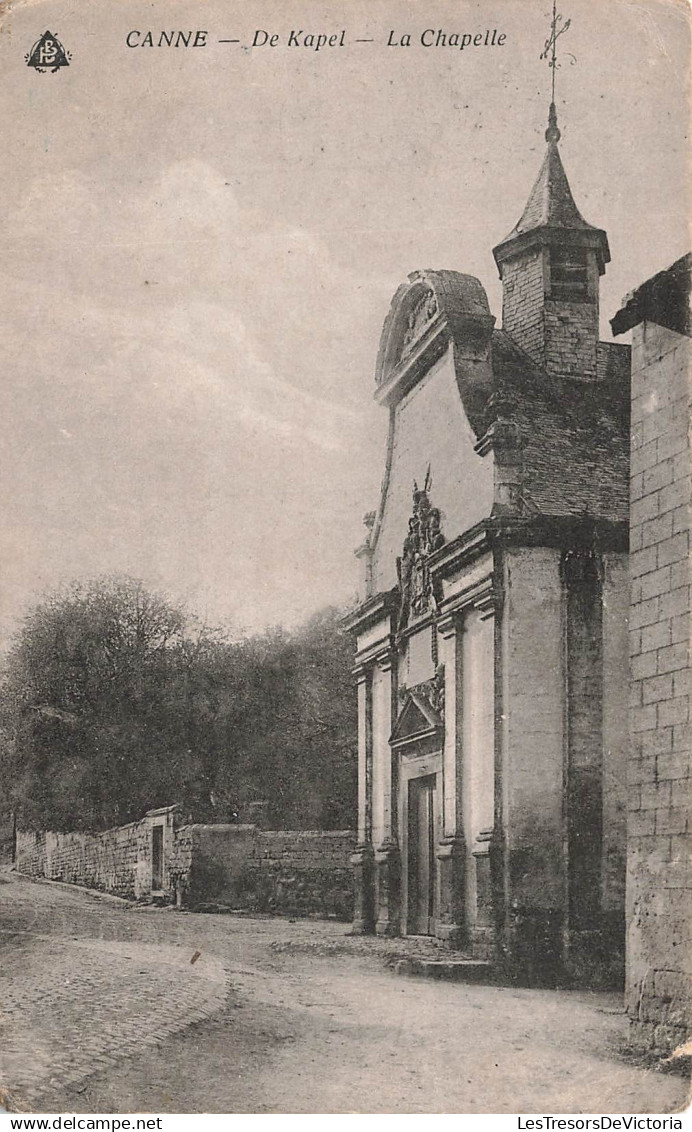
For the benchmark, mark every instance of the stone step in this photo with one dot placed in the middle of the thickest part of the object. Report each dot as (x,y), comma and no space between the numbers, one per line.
(453,970)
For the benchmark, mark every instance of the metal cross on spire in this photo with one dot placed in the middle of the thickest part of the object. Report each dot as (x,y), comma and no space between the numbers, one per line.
(549,52)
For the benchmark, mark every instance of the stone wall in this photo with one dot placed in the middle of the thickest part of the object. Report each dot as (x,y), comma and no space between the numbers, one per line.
(204,866)
(295,872)
(659,878)
(563,765)
(6,836)
(571,334)
(114,861)
(560,335)
(615,591)
(584,785)
(533,740)
(31,853)
(523,302)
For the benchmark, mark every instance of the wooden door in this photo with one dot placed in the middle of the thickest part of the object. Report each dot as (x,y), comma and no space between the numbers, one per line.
(157,858)
(422,873)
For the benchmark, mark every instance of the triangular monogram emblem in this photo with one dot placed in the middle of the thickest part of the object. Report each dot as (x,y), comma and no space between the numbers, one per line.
(48,54)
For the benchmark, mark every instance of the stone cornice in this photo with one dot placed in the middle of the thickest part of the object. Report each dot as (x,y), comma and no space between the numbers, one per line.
(547,235)
(374,609)
(383,654)
(427,351)
(460,551)
(481,595)
(562,531)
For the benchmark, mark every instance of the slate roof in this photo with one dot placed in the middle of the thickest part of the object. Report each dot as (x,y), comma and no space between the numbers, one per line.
(551,206)
(550,201)
(576,433)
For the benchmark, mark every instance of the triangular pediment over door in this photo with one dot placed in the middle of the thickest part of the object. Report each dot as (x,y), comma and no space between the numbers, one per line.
(416,720)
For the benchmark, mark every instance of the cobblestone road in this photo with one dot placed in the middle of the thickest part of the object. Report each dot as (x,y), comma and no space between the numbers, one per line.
(71,1003)
(102,1009)
(88,980)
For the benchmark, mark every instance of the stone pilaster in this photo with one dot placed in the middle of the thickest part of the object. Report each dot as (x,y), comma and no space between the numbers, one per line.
(362,858)
(363,889)
(387,855)
(451,849)
(450,922)
(363,679)
(388,888)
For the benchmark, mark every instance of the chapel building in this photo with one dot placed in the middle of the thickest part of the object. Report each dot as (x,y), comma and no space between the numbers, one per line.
(492,636)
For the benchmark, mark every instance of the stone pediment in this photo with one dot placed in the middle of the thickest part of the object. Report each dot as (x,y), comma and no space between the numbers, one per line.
(428,312)
(416,720)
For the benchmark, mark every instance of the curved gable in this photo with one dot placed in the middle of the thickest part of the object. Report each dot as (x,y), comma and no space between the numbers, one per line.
(434,372)
(430,429)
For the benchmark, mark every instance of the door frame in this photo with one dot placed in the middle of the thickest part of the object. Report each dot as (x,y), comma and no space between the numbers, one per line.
(158,825)
(412,766)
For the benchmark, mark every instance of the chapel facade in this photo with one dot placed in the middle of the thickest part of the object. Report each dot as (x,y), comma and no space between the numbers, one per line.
(491,640)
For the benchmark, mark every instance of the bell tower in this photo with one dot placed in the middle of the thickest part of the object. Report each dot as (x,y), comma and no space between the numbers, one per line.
(551,262)
(550,265)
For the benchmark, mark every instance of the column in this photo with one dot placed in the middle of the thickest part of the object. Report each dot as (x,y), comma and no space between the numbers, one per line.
(451,848)
(384,836)
(362,857)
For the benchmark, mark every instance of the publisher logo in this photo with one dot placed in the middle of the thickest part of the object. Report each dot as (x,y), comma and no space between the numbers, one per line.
(48,54)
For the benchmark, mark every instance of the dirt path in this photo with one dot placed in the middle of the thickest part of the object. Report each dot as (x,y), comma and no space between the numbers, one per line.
(313,1022)
(338,1035)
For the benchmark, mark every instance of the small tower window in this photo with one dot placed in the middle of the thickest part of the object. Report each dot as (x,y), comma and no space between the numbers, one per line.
(568,273)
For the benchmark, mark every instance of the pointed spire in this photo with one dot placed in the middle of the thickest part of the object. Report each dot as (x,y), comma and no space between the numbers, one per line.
(551,205)
(550,201)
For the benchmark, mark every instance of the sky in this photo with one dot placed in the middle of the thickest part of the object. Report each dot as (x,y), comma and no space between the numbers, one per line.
(199,248)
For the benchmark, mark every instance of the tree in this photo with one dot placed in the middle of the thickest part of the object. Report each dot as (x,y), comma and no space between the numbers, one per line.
(88,710)
(116,700)
(296,744)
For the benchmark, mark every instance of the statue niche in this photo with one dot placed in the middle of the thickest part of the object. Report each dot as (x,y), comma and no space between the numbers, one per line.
(424,537)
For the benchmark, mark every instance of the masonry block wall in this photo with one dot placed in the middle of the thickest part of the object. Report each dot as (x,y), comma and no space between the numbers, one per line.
(659,878)
(241,866)
(6,836)
(303,871)
(114,861)
(209,861)
(560,335)
(31,853)
(205,866)
(523,286)
(571,334)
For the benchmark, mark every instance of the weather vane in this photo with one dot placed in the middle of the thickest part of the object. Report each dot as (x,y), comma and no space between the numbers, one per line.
(549,52)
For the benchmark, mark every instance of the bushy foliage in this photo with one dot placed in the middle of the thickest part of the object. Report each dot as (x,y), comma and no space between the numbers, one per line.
(116,700)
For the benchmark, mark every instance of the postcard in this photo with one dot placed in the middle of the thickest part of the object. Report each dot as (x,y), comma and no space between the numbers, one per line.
(345,616)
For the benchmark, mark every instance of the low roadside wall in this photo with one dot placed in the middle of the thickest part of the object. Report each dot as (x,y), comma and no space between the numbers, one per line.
(298,872)
(116,860)
(203,867)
